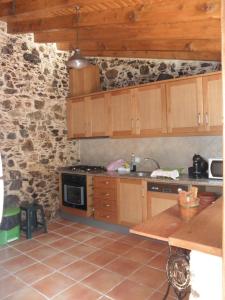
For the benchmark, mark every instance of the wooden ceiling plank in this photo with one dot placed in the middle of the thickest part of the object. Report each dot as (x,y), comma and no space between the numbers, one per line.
(209,29)
(205,56)
(116,16)
(168,8)
(148,45)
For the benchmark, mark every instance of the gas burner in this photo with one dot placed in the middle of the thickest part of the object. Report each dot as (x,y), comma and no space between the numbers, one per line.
(87,168)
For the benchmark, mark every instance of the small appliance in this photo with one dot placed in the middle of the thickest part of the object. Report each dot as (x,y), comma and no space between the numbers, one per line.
(215,169)
(199,168)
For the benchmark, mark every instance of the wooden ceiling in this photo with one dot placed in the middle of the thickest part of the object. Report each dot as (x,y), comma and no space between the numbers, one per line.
(178,29)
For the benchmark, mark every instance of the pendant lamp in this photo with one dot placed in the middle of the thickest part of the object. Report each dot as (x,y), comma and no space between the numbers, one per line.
(77,61)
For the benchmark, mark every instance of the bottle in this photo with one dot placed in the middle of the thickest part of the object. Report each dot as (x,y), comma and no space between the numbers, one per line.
(133,164)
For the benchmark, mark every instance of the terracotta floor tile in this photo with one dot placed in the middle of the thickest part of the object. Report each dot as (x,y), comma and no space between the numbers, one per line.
(82,236)
(113,235)
(26,293)
(131,239)
(48,238)
(9,285)
(81,250)
(78,291)
(80,226)
(79,270)
(27,245)
(117,247)
(139,255)
(148,276)
(128,290)
(63,244)
(153,245)
(59,260)
(98,242)
(3,273)
(53,284)
(42,252)
(159,296)
(103,280)
(8,253)
(64,221)
(54,226)
(100,257)
(95,230)
(159,262)
(17,263)
(34,273)
(123,266)
(68,230)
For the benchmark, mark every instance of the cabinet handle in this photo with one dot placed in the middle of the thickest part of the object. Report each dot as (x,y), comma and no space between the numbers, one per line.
(206,118)
(199,118)
(107,182)
(107,194)
(107,205)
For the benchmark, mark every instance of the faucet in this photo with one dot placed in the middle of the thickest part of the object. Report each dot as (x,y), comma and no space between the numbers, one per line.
(152,159)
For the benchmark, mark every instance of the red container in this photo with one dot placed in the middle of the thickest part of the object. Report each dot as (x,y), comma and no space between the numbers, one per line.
(206,198)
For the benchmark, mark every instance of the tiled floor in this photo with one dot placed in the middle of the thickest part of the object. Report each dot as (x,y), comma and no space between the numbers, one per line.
(74,261)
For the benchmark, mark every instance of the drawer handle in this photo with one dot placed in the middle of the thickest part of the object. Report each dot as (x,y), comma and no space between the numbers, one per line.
(107,182)
(107,217)
(107,205)
(107,194)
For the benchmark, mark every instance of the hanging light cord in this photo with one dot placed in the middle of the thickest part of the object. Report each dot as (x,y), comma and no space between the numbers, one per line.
(77,23)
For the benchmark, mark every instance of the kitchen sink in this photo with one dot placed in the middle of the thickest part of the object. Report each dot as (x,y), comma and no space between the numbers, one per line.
(140,174)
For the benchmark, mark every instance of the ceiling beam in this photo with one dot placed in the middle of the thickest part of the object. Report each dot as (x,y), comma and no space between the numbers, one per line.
(209,29)
(44,9)
(190,11)
(145,45)
(48,8)
(186,55)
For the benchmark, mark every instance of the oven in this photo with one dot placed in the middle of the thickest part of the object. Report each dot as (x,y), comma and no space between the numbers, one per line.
(74,193)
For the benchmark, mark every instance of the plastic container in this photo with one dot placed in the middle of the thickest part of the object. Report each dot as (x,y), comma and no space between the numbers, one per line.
(10,226)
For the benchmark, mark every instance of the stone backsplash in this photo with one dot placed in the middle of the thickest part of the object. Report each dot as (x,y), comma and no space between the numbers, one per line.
(33,140)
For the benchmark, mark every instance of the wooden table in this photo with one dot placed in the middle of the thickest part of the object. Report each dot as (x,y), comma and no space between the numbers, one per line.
(202,233)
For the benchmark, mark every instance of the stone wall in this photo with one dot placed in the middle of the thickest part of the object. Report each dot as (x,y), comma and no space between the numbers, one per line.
(117,73)
(33,141)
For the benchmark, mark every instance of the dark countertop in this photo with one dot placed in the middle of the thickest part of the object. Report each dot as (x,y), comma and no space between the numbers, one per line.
(183,179)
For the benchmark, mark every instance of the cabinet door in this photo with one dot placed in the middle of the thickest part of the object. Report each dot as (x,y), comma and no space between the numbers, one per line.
(76,118)
(151,110)
(213,108)
(185,106)
(158,202)
(122,113)
(99,115)
(131,201)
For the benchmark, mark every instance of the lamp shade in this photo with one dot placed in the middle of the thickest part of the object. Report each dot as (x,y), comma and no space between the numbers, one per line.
(77,61)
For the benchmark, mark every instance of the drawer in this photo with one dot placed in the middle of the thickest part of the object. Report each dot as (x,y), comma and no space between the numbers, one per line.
(107,205)
(105,216)
(104,194)
(102,181)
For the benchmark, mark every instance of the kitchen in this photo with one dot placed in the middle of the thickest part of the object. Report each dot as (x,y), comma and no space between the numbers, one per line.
(34,141)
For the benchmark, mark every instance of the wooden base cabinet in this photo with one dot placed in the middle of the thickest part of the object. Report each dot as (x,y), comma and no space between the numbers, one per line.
(132,205)
(105,199)
(158,202)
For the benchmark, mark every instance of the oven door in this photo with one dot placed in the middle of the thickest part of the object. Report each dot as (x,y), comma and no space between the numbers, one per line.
(74,196)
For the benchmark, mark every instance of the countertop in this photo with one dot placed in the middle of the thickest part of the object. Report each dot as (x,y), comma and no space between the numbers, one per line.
(202,233)
(183,179)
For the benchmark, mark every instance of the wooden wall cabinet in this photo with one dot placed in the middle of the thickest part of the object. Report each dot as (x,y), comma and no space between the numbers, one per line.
(105,199)
(88,116)
(194,105)
(132,204)
(179,107)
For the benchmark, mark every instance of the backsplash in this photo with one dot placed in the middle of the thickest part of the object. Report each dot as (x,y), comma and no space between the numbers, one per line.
(33,141)
(168,151)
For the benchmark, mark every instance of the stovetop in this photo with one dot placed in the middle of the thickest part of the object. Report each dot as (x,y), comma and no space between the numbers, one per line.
(86,168)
